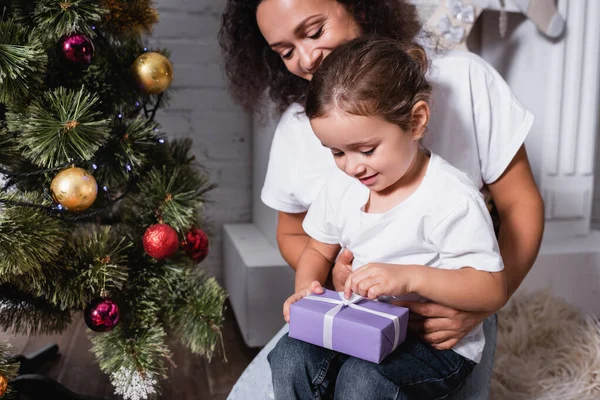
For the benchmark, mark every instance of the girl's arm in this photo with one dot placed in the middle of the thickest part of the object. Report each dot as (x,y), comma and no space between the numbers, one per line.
(311,272)
(464,289)
(314,263)
(291,238)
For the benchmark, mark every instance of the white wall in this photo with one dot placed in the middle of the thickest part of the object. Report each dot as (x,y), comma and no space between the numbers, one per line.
(203,110)
(596,206)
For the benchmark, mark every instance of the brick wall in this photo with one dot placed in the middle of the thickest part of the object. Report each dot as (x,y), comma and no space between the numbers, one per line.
(202,110)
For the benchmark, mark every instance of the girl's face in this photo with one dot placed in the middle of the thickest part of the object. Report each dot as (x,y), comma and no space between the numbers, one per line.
(304,32)
(370,149)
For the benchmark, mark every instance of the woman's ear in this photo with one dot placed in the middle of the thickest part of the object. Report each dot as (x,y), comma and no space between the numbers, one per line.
(419,117)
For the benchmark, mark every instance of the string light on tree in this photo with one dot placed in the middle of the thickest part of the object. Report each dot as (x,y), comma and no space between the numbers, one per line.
(153,72)
(75,189)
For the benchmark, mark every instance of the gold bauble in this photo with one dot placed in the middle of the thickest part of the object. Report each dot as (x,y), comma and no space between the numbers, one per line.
(153,72)
(3,384)
(74,188)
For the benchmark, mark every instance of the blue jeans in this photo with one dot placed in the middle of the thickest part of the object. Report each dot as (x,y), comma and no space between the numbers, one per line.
(413,371)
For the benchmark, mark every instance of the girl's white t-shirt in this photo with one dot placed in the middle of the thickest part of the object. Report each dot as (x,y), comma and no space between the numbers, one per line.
(443,224)
(476,124)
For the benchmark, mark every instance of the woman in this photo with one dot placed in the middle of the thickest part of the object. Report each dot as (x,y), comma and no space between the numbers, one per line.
(477,125)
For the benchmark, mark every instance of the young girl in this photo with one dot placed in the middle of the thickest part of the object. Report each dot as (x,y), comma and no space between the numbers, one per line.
(413,217)
(272,47)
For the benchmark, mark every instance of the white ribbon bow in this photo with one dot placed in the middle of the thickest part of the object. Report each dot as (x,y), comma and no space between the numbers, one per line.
(343,302)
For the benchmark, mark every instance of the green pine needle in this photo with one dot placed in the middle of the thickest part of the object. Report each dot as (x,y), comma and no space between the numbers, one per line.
(59,284)
(8,147)
(145,351)
(22,62)
(195,313)
(25,314)
(58,18)
(95,259)
(176,194)
(131,145)
(62,126)
(101,257)
(139,137)
(29,238)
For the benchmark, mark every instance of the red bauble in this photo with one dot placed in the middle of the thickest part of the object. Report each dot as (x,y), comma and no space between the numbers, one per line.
(196,244)
(101,315)
(161,241)
(76,48)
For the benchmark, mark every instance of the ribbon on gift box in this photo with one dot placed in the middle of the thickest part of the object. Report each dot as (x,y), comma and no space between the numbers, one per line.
(351,302)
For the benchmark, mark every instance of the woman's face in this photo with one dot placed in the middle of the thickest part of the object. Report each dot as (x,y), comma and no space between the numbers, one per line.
(304,32)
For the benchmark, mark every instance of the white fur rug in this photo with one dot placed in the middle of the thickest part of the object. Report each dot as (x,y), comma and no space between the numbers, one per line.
(546,351)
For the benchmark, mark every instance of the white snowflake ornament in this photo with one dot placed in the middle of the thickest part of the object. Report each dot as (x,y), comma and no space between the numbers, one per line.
(132,385)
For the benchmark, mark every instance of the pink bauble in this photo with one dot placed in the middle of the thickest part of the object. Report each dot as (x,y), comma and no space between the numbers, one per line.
(76,48)
(101,315)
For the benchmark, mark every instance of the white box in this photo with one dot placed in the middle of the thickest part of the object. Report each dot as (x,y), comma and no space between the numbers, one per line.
(258,281)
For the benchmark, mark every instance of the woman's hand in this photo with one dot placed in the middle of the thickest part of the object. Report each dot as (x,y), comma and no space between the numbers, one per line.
(377,279)
(314,287)
(440,326)
(341,269)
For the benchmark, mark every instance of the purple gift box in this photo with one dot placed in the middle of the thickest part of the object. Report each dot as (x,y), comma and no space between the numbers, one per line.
(358,327)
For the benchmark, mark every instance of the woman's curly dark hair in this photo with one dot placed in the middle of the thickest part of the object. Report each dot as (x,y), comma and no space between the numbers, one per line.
(252,67)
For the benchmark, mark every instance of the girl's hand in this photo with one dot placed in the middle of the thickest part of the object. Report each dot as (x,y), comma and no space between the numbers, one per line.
(314,287)
(341,269)
(377,279)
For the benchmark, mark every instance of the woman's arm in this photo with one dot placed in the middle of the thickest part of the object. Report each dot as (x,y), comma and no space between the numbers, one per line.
(291,238)
(521,210)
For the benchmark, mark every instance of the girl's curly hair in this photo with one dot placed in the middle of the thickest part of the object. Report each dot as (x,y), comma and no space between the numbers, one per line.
(252,67)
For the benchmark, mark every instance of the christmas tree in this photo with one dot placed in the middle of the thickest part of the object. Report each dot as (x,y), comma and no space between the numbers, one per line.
(99,212)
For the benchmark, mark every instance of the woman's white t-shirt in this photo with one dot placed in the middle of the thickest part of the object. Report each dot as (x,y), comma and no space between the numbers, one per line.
(476,124)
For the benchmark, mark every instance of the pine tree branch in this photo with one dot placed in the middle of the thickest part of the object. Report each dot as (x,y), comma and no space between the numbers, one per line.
(194,312)
(22,62)
(143,351)
(58,18)
(60,127)
(101,258)
(174,194)
(25,314)
(127,151)
(29,238)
